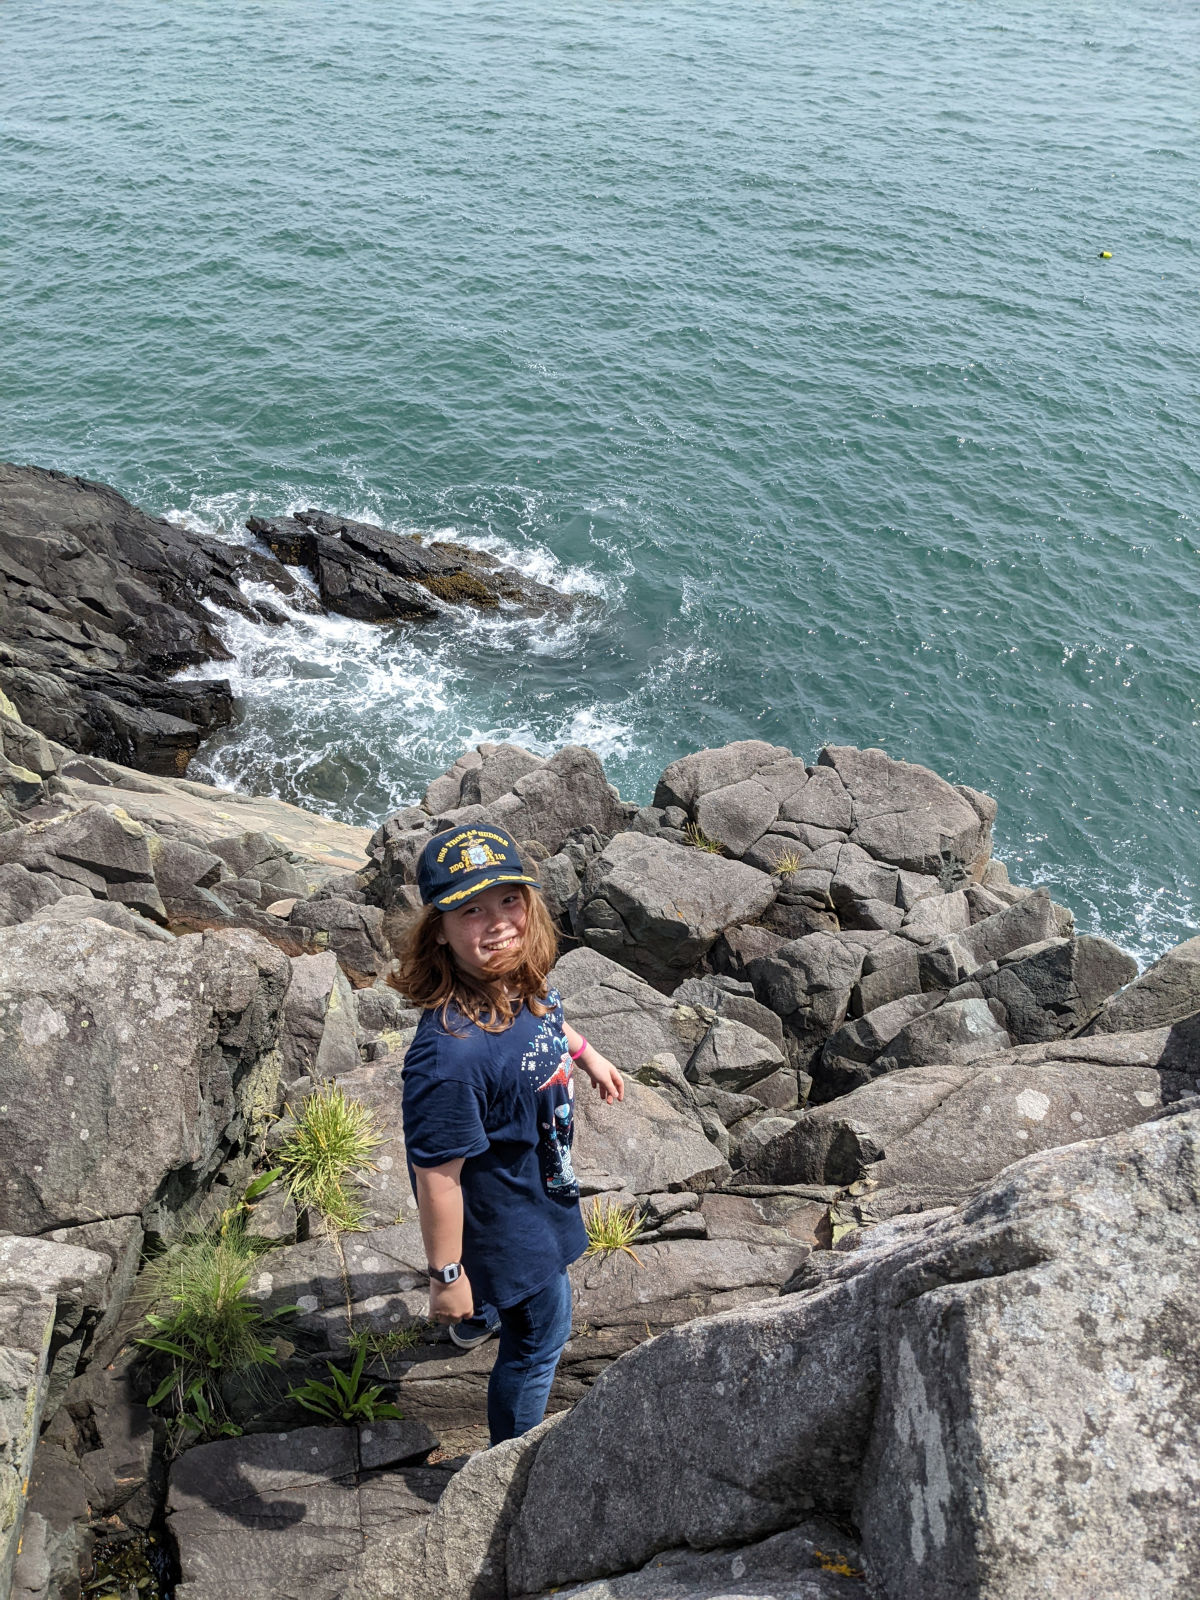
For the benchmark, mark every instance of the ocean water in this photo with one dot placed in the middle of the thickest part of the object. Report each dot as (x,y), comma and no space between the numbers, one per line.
(778,334)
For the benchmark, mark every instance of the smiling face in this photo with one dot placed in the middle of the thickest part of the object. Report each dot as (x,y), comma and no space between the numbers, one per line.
(486,933)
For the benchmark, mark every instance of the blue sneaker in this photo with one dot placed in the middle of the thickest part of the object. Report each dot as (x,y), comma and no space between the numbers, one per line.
(475,1330)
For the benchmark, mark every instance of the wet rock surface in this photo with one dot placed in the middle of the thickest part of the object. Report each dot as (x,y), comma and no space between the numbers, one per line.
(368,572)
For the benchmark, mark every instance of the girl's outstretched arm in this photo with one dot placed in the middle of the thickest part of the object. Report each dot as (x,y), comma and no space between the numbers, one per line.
(609,1083)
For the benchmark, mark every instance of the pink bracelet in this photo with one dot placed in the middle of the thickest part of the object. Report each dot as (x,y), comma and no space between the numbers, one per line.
(575,1054)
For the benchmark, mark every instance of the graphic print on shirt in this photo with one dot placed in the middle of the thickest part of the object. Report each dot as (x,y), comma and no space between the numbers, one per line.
(548,1061)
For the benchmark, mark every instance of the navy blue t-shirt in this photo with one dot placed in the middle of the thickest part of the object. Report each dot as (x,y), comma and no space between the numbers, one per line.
(505,1102)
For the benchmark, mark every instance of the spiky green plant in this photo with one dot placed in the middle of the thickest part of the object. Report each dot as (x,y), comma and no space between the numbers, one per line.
(789,862)
(345,1399)
(330,1146)
(699,840)
(612,1228)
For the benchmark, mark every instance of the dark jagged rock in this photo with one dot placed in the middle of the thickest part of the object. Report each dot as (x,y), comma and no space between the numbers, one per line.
(99,605)
(368,572)
(1054,988)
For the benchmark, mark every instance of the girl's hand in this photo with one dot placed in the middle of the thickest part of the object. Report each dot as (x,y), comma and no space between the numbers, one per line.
(451,1302)
(609,1083)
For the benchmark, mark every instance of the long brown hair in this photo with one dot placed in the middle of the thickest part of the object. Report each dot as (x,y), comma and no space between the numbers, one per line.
(427,975)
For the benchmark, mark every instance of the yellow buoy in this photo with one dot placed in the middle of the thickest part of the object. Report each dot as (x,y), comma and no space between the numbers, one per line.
(1106,255)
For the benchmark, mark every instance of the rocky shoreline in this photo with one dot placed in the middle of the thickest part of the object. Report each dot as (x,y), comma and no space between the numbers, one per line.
(101,606)
(912,1308)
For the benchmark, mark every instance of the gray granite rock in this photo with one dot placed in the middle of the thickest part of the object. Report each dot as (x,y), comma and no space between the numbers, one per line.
(846,1061)
(97,847)
(808,983)
(645,1141)
(460,1552)
(898,1392)
(659,910)
(319,1036)
(128,1068)
(353,932)
(686,781)
(285,1515)
(958,955)
(50,1295)
(22,893)
(547,803)
(836,1142)
(1007,1108)
(812,1562)
(730,998)
(1052,989)
(1166,992)
(75,907)
(908,816)
(625,1017)
(955,1032)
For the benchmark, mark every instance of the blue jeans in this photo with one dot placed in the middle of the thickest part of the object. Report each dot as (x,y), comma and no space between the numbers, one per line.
(532,1335)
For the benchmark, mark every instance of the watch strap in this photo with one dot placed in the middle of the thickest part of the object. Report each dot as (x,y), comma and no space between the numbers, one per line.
(447,1274)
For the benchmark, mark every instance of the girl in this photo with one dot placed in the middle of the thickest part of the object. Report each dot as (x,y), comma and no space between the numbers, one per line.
(488,1111)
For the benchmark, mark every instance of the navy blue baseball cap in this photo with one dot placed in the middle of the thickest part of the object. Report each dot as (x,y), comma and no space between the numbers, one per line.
(458,864)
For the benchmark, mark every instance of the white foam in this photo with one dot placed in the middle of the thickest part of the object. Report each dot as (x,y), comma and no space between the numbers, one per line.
(352,718)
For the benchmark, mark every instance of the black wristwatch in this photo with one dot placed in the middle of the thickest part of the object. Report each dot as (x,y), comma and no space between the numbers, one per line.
(450,1274)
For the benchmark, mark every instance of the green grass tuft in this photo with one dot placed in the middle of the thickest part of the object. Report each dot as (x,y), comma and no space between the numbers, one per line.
(330,1146)
(204,1322)
(385,1346)
(699,840)
(789,862)
(612,1228)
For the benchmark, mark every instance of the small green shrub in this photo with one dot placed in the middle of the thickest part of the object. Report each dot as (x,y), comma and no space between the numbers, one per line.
(206,1325)
(612,1228)
(789,862)
(345,1399)
(699,840)
(333,1141)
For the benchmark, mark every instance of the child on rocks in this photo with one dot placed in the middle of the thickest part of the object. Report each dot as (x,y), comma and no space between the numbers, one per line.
(489,1112)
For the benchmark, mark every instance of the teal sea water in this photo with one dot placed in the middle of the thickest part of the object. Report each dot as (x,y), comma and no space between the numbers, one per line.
(778,333)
